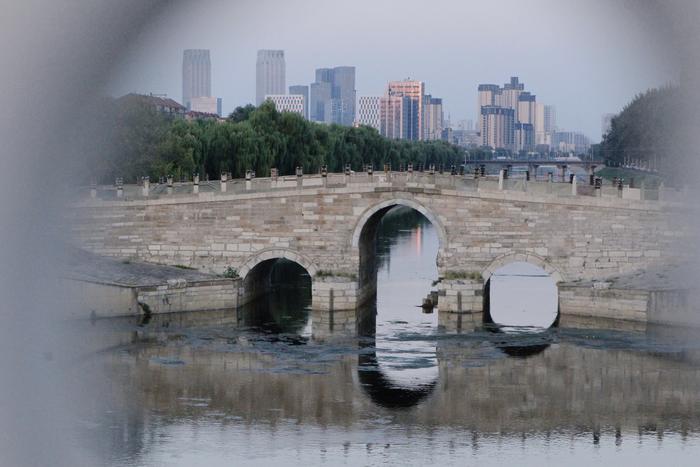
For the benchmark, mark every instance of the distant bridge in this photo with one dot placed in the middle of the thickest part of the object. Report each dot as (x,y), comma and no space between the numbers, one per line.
(327,224)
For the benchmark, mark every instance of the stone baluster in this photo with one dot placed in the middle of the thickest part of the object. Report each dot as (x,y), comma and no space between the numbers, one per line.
(300,176)
(93,189)
(224,179)
(574,186)
(119,182)
(195,183)
(170,184)
(324,175)
(501,179)
(248,179)
(145,186)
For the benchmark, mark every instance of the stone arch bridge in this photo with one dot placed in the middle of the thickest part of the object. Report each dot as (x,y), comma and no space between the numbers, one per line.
(327,225)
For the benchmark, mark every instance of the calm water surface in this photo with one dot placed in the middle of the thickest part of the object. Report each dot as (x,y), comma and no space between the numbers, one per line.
(275,384)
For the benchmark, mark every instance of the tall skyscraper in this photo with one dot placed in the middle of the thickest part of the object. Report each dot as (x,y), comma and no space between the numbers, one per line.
(196,75)
(301,90)
(339,106)
(368,111)
(270,76)
(414,91)
(320,102)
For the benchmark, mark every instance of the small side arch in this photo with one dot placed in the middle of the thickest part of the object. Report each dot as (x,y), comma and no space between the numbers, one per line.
(371,211)
(525,258)
(277,253)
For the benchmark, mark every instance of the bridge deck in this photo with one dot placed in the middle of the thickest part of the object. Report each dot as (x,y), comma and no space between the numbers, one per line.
(468,184)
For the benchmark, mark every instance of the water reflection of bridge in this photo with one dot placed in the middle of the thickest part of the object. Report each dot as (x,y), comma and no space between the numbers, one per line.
(625,384)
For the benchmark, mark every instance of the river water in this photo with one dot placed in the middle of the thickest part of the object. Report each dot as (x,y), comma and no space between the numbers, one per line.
(278,384)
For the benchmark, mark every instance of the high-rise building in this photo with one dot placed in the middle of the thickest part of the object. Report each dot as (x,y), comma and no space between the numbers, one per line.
(510,95)
(489,94)
(205,104)
(301,90)
(287,103)
(196,75)
(527,108)
(393,116)
(412,110)
(433,121)
(545,124)
(270,76)
(320,102)
(368,111)
(524,137)
(339,106)
(344,94)
(498,127)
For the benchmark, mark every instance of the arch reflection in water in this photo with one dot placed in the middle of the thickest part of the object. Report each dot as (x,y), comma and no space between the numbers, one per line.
(284,299)
(521,297)
(398,363)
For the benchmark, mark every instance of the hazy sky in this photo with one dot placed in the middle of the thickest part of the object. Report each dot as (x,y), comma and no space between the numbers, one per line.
(586,58)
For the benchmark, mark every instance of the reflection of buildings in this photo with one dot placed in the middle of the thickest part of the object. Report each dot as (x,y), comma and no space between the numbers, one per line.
(565,387)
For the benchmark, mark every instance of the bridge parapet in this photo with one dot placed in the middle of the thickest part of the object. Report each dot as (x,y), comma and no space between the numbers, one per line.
(465,184)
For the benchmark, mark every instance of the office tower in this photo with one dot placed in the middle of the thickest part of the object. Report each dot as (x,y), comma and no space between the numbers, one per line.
(368,111)
(287,103)
(339,106)
(206,104)
(301,90)
(393,116)
(344,95)
(498,127)
(270,74)
(196,75)
(320,102)
(432,118)
(412,110)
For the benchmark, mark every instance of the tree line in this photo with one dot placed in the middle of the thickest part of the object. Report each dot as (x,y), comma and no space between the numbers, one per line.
(143,141)
(651,131)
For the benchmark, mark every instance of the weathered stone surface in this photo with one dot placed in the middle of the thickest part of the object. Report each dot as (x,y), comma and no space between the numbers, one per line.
(479,228)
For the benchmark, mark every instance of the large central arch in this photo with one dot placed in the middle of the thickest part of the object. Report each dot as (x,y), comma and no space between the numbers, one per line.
(364,236)
(384,206)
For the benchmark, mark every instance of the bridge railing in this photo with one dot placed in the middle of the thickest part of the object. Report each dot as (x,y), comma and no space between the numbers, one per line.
(467,183)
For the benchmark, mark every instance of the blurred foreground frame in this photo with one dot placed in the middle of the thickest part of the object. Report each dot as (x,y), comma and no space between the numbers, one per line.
(57,56)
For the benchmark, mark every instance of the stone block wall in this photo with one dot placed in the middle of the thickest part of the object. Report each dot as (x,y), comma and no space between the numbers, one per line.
(578,237)
(190,296)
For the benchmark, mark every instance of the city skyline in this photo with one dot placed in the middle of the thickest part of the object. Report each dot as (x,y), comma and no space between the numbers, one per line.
(561,59)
